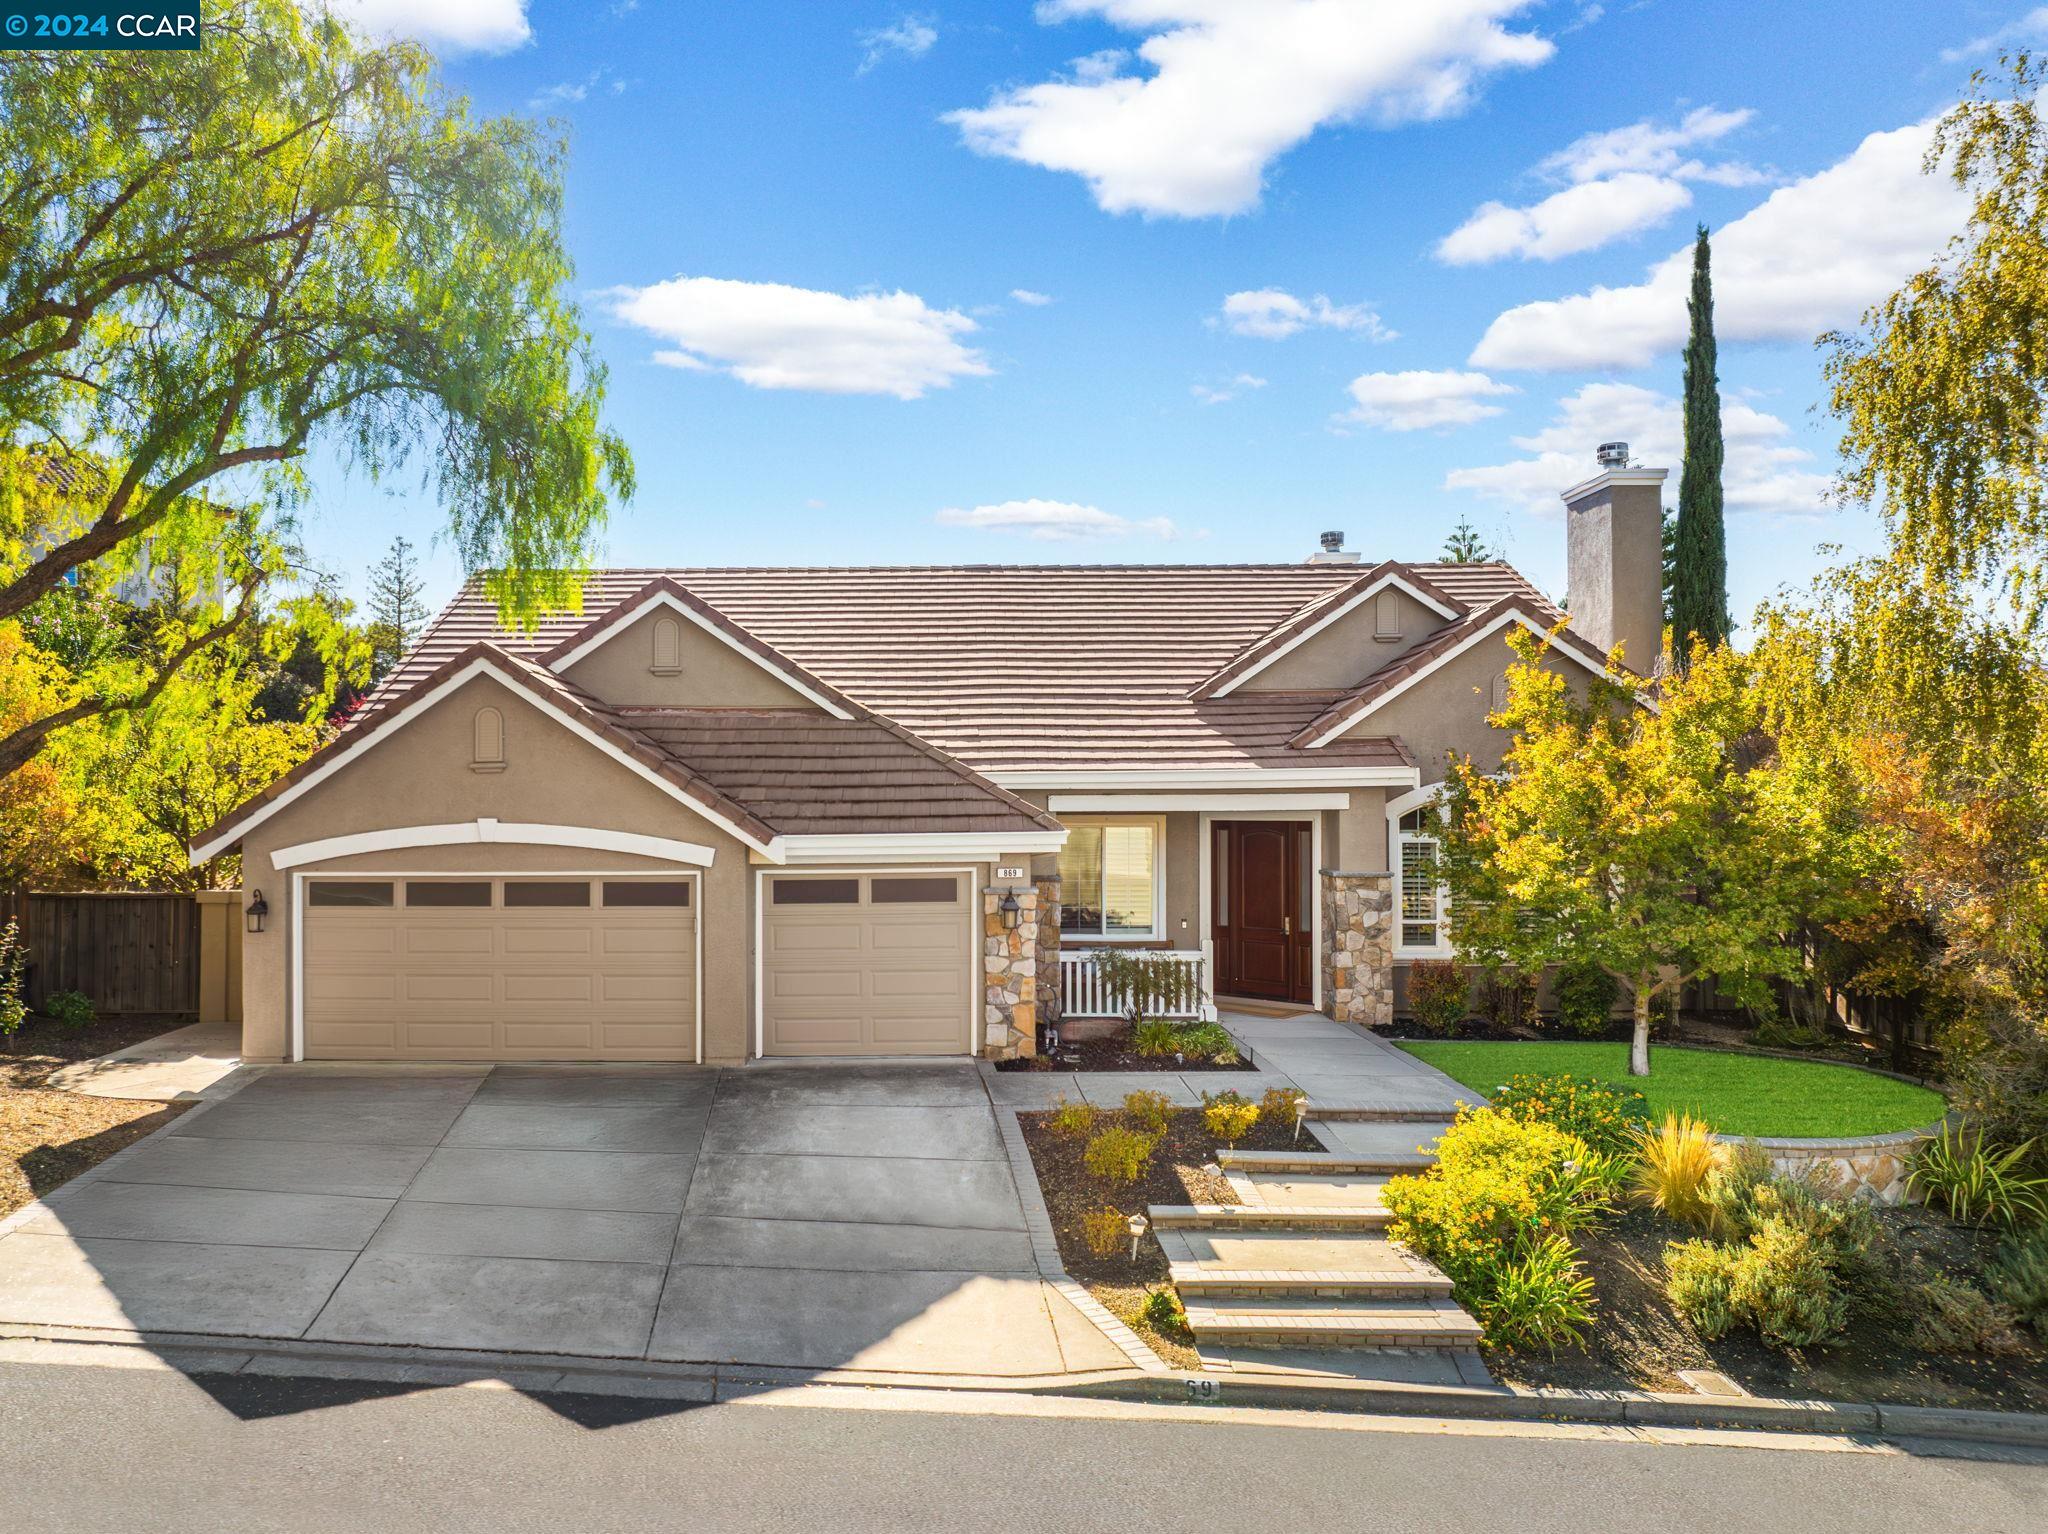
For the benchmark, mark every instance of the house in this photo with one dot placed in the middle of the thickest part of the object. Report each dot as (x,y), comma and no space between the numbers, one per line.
(726,813)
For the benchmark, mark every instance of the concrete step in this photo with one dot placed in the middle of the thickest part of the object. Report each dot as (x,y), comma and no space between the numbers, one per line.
(1379,1113)
(1267,1216)
(1328,1323)
(1394,1368)
(1296,1190)
(1218,1285)
(1291,1251)
(1360,1137)
(1324,1163)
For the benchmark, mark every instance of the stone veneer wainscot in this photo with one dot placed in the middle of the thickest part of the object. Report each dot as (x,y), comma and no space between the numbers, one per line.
(1358,947)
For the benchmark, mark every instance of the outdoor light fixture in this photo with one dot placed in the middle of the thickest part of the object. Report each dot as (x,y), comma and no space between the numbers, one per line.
(257,911)
(1138,1226)
(1010,911)
(1300,1113)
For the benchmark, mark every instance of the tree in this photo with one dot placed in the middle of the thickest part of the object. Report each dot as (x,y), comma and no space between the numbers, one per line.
(217,260)
(1465,546)
(1699,575)
(396,612)
(1640,840)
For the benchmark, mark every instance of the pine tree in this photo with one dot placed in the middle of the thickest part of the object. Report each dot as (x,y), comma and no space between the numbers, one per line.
(1465,546)
(1699,577)
(396,612)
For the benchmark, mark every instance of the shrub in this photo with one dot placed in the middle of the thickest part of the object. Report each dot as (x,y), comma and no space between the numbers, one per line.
(1732,1189)
(1979,1186)
(1229,1116)
(1995,1060)
(2019,1275)
(1698,1278)
(1072,1119)
(1777,1033)
(1954,1317)
(1207,1041)
(1605,1116)
(1502,1190)
(1163,1312)
(1155,1036)
(1147,981)
(1437,994)
(1104,1230)
(1278,1105)
(1785,1285)
(1673,1163)
(70,1009)
(1541,1297)
(13,974)
(1507,999)
(1150,1111)
(1118,1155)
(1585,995)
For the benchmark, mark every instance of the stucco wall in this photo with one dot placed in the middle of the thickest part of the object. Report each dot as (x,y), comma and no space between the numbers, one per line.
(1349,650)
(421,776)
(713,674)
(1446,711)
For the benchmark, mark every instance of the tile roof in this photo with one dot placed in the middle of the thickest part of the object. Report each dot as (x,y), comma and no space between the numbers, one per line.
(1016,668)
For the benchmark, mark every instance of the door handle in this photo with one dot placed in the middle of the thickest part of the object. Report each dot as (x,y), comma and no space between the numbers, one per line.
(1287,926)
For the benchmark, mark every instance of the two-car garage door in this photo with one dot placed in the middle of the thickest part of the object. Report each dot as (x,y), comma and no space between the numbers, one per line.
(500,969)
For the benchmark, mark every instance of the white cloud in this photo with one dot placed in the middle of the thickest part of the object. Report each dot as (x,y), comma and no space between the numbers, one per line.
(1026,296)
(1272,314)
(1616,183)
(911,36)
(1418,400)
(2031,30)
(1814,254)
(475,26)
(1225,87)
(774,336)
(1223,394)
(1764,472)
(1056,521)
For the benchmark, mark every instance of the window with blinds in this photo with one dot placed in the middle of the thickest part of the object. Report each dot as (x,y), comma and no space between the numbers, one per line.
(1109,880)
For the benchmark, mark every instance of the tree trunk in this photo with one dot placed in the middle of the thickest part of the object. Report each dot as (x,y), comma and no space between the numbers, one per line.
(1639,1046)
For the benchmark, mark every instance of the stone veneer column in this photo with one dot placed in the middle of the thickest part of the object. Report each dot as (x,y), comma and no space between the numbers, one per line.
(1358,946)
(1051,1003)
(1010,976)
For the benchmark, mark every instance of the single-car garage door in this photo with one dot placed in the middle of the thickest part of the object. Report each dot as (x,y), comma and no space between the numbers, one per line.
(500,969)
(866,964)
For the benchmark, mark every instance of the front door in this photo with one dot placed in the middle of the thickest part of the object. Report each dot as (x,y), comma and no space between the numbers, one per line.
(1261,874)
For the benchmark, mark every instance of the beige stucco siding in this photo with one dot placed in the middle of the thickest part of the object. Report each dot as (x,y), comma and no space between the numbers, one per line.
(713,674)
(1350,649)
(1446,711)
(421,775)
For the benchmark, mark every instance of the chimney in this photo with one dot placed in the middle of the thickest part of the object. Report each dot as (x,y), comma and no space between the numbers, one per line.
(1614,558)
(1333,552)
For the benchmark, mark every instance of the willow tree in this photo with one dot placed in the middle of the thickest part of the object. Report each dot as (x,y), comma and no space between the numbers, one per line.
(214,263)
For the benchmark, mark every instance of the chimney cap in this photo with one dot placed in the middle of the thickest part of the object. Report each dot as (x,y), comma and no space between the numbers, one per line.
(1612,455)
(1332,542)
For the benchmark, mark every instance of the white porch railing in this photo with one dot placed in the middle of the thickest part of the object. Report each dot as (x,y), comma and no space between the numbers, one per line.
(1082,993)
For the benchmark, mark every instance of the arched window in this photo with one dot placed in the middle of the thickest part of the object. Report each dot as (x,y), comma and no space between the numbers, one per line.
(1500,692)
(488,747)
(668,647)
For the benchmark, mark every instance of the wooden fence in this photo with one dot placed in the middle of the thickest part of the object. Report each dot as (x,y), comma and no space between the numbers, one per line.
(131,953)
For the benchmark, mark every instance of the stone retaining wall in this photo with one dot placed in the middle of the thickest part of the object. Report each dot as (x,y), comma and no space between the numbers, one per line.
(1870,1166)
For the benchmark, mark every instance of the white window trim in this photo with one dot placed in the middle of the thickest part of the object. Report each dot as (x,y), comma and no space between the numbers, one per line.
(1157,931)
(465,832)
(1421,798)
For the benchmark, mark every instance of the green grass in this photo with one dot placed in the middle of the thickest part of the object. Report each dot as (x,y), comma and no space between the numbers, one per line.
(1736,1094)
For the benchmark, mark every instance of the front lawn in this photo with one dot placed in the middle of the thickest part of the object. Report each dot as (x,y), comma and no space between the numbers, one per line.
(1736,1094)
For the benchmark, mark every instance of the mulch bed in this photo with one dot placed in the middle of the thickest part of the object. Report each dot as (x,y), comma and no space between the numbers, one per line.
(1114,1053)
(46,1137)
(1181,1172)
(1639,1341)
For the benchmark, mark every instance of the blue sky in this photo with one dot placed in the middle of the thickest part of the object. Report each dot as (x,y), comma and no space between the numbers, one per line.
(801,230)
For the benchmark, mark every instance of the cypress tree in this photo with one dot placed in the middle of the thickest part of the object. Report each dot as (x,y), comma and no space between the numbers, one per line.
(1699,575)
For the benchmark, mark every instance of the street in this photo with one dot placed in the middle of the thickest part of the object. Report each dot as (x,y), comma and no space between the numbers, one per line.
(105,1448)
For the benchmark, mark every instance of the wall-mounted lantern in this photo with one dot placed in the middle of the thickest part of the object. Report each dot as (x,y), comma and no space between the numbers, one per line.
(256,912)
(1010,911)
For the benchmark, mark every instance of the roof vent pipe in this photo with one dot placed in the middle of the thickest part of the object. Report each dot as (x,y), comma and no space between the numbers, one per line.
(1333,551)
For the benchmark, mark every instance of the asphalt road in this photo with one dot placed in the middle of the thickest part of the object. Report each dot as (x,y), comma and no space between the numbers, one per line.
(95,1448)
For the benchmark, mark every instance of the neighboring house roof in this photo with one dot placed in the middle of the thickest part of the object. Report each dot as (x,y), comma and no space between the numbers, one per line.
(1320,613)
(809,775)
(1398,676)
(1017,669)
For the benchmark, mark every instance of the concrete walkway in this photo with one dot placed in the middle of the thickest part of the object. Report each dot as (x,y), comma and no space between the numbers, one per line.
(172,1067)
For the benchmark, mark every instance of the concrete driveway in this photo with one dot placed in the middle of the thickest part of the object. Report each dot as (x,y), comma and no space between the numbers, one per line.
(809,1217)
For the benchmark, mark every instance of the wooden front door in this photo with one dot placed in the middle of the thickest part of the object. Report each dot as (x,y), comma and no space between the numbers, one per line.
(1261,875)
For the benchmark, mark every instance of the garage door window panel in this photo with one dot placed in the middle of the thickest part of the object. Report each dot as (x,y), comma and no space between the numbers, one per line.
(919,891)
(646,892)
(816,892)
(433,893)
(545,893)
(349,892)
